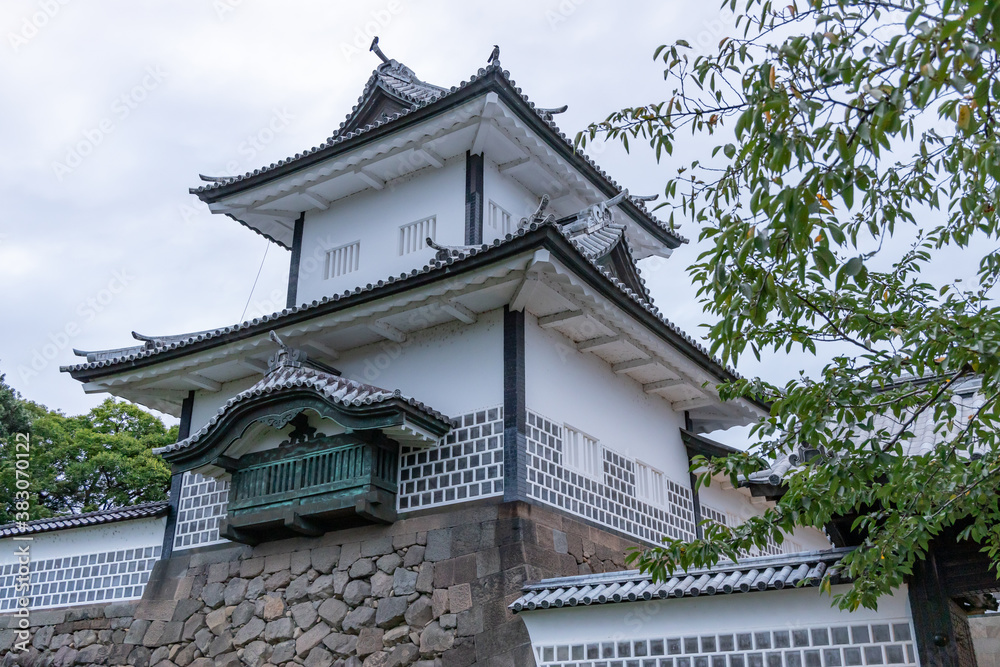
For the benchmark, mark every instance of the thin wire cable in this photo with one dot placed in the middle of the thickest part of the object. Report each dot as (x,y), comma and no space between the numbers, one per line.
(266,248)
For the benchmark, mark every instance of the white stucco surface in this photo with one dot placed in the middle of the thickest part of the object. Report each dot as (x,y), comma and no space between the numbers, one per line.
(508,194)
(374,217)
(454,368)
(580,390)
(768,610)
(88,540)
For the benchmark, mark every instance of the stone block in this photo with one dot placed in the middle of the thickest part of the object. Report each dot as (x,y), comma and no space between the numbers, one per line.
(377,546)
(274,607)
(324,559)
(192,626)
(414,556)
(277,562)
(390,612)
(425,578)
(48,617)
(213,595)
(283,652)
(304,614)
(404,582)
(279,630)
(136,632)
(349,553)
(249,632)
(361,568)
(341,644)
(369,641)
(236,591)
(218,573)
(322,588)
(220,645)
(459,598)
(251,567)
(256,653)
(309,640)
(362,617)
(217,620)
(420,612)
(435,639)
(120,609)
(156,610)
(438,545)
(318,657)
(439,602)
(278,580)
(356,592)
(243,613)
(333,612)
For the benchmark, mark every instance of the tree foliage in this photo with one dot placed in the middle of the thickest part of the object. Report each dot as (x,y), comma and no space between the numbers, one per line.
(80,464)
(850,171)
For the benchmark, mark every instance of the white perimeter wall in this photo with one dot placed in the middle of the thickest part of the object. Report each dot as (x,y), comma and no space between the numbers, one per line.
(88,540)
(766,610)
(581,390)
(373,217)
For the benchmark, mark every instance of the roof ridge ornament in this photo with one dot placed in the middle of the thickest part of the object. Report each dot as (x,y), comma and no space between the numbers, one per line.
(285,356)
(446,251)
(599,215)
(538,217)
(374,48)
(494,58)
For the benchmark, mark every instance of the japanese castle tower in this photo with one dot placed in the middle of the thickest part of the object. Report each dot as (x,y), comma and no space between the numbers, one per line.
(470,390)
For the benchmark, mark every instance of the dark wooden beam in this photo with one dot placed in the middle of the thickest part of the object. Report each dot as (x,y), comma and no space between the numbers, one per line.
(474,176)
(293,263)
(515,471)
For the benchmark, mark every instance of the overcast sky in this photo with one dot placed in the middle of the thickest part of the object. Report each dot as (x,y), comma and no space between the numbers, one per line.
(112,109)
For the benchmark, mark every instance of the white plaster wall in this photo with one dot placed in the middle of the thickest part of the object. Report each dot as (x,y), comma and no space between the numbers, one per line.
(767,610)
(454,368)
(373,217)
(738,504)
(207,403)
(508,194)
(581,390)
(88,540)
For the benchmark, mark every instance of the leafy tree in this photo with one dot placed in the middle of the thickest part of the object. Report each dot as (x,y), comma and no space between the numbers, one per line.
(94,461)
(13,416)
(848,161)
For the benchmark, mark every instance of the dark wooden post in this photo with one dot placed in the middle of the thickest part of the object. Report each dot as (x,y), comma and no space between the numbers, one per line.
(941,625)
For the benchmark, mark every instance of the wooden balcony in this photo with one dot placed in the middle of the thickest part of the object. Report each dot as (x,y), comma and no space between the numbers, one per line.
(328,483)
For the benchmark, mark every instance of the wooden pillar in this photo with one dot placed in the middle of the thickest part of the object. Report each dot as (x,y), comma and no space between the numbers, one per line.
(940,624)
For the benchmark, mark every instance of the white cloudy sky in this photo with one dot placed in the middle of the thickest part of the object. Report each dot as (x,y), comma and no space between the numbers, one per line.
(112,109)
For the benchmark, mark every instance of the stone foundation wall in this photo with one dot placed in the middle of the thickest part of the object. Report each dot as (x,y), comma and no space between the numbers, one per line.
(428,591)
(986,638)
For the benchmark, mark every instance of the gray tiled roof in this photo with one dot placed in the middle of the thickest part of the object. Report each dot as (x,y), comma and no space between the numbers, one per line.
(446,264)
(424,95)
(751,574)
(113,515)
(338,389)
(927,432)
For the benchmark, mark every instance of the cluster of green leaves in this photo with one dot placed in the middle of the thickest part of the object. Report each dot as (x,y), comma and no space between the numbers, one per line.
(80,464)
(853,148)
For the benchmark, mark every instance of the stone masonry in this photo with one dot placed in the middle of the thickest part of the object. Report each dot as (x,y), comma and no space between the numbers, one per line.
(427,591)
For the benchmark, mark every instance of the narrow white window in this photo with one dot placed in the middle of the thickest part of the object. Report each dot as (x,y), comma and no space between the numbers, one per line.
(342,260)
(651,484)
(413,236)
(581,453)
(499,220)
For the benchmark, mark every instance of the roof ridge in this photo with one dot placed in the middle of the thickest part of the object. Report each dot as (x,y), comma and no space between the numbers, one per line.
(142,510)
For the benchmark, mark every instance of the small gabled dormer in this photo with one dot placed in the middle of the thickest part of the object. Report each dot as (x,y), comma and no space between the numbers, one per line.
(306,450)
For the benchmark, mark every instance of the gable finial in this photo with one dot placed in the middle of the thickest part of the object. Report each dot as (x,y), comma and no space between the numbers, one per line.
(285,356)
(494,56)
(374,48)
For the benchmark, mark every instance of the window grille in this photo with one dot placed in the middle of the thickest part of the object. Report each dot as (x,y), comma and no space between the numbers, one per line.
(581,453)
(500,220)
(342,260)
(651,485)
(203,502)
(413,236)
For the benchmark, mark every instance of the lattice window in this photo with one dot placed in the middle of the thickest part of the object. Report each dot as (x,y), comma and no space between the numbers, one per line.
(203,502)
(714,515)
(81,579)
(499,220)
(413,236)
(651,484)
(582,453)
(342,260)
(888,642)
(609,499)
(467,464)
